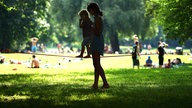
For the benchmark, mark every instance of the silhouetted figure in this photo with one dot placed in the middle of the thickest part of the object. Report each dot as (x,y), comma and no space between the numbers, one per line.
(136,55)
(97,45)
(160,52)
(85,23)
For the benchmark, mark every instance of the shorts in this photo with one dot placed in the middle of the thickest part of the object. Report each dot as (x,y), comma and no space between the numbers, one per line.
(33,48)
(86,41)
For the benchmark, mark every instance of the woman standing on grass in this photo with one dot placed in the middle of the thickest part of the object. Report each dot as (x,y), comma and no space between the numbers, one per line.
(160,52)
(97,45)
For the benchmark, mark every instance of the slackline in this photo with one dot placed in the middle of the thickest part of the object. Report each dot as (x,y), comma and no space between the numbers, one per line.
(57,55)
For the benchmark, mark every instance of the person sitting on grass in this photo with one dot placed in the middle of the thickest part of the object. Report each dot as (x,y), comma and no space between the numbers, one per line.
(2,59)
(35,62)
(148,62)
(168,65)
(176,63)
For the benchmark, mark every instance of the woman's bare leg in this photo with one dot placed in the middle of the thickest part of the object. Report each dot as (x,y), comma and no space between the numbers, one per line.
(99,70)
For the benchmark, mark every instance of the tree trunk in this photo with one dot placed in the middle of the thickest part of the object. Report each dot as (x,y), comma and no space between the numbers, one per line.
(114,41)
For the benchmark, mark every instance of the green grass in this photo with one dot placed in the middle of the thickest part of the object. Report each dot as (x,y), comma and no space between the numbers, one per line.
(69,85)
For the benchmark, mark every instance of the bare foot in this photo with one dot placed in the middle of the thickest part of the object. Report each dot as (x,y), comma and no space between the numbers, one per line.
(94,87)
(87,57)
(79,56)
(105,86)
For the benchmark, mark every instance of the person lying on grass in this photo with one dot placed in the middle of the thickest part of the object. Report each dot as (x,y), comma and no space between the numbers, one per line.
(11,61)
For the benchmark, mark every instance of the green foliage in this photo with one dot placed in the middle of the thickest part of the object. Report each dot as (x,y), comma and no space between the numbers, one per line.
(126,17)
(20,20)
(175,16)
(56,21)
(65,19)
(120,17)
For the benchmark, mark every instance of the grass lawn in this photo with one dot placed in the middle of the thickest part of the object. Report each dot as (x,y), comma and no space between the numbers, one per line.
(68,85)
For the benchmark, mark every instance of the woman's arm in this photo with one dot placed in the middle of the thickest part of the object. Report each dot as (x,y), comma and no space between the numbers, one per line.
(80,23)
(98,26)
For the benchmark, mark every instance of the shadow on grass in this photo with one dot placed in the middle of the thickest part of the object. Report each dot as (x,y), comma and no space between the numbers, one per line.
(129,88)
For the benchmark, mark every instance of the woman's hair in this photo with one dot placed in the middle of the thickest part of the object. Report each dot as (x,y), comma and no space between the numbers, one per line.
(95,8)
(83,12)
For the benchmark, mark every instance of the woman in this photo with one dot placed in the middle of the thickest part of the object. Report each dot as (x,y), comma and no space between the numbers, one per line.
(97,44)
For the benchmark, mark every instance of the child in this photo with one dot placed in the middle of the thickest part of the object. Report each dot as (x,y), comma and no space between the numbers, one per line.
(85,23)
(97,45)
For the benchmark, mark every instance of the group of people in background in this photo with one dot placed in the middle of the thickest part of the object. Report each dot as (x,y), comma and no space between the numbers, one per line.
(36,47)
(34,63)
(169,64)
(137,48)
(93,41)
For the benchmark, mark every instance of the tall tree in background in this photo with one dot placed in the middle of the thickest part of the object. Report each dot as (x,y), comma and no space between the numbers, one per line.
(19,20)
(124,17)
(57,21)
(120,17)
(175,16)
(64,14)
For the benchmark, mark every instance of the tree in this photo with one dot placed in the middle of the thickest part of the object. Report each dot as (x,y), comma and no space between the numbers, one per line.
(64,15)
(125,18)
(57,21)
(175,16)
(120,17)
(20,20)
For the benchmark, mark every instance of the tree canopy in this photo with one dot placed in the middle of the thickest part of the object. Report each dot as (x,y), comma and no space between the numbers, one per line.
(174,15)
(56,21)
(20,20)
(121,19)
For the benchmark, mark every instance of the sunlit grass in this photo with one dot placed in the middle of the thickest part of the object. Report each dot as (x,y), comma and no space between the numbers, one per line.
(69,85)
